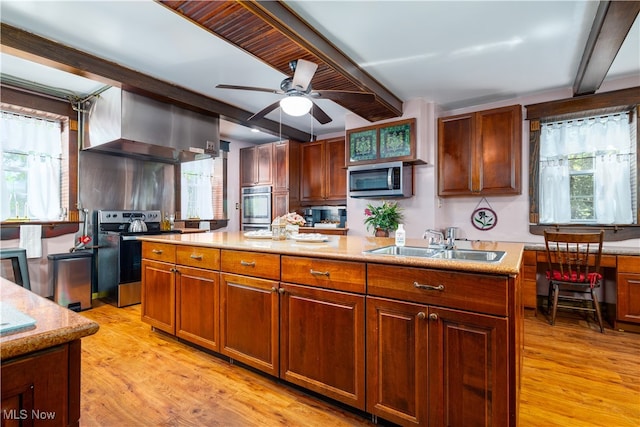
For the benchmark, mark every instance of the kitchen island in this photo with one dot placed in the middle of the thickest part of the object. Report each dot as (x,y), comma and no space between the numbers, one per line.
(413,340)
(41,363)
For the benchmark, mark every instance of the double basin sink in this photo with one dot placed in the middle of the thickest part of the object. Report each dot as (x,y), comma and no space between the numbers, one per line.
(439,253)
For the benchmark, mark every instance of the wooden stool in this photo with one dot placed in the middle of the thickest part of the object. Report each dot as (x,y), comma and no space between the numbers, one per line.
(18,257)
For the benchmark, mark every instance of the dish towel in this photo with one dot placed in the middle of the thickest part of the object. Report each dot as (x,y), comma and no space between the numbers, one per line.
(31,240)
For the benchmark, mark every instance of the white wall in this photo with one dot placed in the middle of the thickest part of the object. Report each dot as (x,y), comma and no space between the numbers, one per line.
(233,184)
(426,210)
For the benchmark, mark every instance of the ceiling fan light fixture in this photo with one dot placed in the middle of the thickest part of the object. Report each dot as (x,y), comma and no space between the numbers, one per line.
(296,105)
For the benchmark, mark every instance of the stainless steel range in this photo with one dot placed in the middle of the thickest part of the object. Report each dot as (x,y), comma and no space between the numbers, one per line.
(118,256)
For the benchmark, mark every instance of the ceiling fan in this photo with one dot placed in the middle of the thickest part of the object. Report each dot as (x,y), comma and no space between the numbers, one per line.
(299,93)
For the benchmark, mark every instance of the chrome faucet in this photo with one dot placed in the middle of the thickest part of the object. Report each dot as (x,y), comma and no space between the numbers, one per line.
(436,239)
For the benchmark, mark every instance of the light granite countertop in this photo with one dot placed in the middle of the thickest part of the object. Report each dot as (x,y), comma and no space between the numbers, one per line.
(353,248)
(54,324)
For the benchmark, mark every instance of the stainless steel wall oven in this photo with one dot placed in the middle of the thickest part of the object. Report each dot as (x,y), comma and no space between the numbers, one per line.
(256,207)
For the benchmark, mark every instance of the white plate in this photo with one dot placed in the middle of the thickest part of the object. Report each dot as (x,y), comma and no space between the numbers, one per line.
(258,234)
(310,237)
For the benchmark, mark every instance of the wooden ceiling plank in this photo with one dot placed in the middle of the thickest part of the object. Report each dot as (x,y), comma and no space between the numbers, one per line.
(610,28)
(289,23)
(39,49)
(257,36)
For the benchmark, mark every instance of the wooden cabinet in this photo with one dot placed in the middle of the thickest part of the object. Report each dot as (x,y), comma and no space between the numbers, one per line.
(529,279)
(198,306)
(286,177)
(322,327)
(180,294)
(249,314)
(469,357)
(42,388)
(158,295)
(397,337)
(322,342)
(256,165)
(249,308)
(467,363)
(323,173)
(480,153)
(628,282)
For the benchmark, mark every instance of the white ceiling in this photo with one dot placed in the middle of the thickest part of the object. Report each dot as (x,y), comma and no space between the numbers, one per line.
(454,53)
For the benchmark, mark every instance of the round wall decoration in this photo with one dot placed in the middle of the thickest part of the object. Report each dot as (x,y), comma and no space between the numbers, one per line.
(484,218)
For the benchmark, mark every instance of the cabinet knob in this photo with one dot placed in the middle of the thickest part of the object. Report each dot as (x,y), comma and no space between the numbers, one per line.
(247,263)
(156,251)
(274,289)
(422,316)
(433,316)
(198,257)
(281,290)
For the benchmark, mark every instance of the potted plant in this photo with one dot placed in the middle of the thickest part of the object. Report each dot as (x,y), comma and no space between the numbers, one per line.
(382,219)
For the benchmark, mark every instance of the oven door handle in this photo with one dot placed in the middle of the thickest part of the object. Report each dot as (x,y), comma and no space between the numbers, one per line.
(128,238)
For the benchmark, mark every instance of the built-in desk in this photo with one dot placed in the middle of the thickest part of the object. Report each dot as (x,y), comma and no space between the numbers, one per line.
(620,265)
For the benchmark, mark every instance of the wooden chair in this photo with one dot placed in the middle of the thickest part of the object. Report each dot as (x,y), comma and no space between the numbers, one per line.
(574,270)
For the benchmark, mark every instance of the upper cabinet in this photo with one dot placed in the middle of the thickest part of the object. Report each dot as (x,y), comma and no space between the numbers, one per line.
(480,153)
(323,173)
(381,143)
(256,165)
(286,177)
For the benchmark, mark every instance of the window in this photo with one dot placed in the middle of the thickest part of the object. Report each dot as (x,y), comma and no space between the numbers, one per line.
(202,189)
(588,171)
(31,167)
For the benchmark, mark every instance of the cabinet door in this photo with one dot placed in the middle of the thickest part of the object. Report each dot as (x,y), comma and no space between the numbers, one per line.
(36,388)
(264,161)
(468,367)
(455,154)
(247,167)
(397,336)
(335,172)
(281,166)
(628,307)
(197,306)
(312,171)
(159,295)
(249,315)
(498,150)
(280,205)
(322,342)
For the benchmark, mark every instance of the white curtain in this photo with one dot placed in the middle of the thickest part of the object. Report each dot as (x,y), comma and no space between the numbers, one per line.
(608,139)
(197,199)
(41,141)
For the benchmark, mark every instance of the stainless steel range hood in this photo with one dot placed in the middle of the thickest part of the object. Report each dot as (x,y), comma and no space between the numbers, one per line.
(127,124)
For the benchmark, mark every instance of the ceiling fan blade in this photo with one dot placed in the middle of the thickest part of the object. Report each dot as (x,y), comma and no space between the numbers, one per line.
(256,89)
(319,114)
(303,74)
(266,110)
(345,95)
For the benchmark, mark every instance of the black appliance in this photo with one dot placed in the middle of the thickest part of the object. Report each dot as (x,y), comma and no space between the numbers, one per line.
(118,253)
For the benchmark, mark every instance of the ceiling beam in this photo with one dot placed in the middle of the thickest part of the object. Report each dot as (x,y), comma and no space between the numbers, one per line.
(610,27)
(279,16)
(38,49)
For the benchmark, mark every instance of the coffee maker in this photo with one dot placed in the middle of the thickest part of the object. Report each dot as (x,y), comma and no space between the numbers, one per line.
(308,217)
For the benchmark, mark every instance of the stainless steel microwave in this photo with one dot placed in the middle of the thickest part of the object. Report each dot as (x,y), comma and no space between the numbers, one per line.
(393,179)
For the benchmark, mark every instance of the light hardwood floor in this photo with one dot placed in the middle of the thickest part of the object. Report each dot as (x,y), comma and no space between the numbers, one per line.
(132,376)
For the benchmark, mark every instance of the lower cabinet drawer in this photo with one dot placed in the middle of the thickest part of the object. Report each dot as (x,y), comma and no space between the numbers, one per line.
(199,257)
(467,291)
(324,273)
(254,264)
(164,252)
